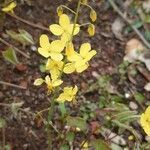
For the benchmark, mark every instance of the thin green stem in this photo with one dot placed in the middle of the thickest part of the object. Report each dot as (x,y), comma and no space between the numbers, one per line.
(85,24)
(68,9)
(87,6)
(51,108)
(76,18)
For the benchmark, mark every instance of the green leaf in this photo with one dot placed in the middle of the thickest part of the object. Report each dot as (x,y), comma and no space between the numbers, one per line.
(70,136)
(137,24)
(64,147)
(62,109)
(139,97)
(115,147)
(100,145)
(22,37)
(147,35)
(77,122)
(10,55)
(2,123)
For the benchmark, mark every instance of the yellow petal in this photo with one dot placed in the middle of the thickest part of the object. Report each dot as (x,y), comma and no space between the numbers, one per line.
(84,49)
(56,29)
(57,82)
(44,41)
(10,7)
(76,30)
(65,37)
(64,21)
(75,89)
(44,52)
(80,66)
(57,46)
(48,80)
(61,98)
(49,64)
(38,81)
(54,73)
(91,29)
(90,55)
(56,56)
(69,68)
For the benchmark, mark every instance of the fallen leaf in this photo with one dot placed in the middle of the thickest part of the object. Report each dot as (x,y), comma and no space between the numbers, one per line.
(147,87)
(117,28)
(21,67)
(95,126)
(145,58)
(133,50)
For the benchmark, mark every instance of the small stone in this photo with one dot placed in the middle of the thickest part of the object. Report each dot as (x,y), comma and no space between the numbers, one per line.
(133,105)
(95,74)
(33,48)
(127,95)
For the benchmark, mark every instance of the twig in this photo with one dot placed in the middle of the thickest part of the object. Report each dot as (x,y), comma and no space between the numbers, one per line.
(129,22)
(15,48)
(12,85)
(28,22)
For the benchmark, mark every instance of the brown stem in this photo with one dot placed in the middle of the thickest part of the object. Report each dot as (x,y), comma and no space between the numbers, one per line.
(28,22)
(15,48)
(12,85)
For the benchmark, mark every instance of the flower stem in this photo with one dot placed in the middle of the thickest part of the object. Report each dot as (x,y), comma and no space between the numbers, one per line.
(68,9)
(76,18)
(51,108)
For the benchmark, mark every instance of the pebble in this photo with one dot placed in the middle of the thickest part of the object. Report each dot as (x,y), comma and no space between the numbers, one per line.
(133,105)
(127,95)
(33,48)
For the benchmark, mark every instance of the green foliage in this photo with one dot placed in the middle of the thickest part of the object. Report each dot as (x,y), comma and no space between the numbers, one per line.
(2,123)
(70,136)
(100,145)
(10,55)
(64,147)
(22,37)
(139,97)
(77,122)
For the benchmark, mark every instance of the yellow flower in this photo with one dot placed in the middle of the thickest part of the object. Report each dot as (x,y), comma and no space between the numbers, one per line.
(145,121)
(51,84)
(68,94)
(85,145)
(54,67)
(52,49)
(79,61)
(10,7)
(64,28)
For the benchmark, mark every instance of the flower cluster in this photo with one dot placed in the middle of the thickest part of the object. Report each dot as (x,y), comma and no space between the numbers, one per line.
(145,121)
(62,57)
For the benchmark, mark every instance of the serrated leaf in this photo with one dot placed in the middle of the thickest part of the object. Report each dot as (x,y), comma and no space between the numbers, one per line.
(22,37)
(77,122)
(100,145)
(10,55)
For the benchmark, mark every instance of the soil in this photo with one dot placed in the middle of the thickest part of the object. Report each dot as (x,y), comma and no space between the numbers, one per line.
(28,133)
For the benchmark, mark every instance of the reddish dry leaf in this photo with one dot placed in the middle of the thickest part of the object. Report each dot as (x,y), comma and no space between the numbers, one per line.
(21,67)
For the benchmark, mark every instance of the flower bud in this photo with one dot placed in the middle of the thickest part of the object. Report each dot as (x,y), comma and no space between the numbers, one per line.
(93,15)
(91,29)
(59,10)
